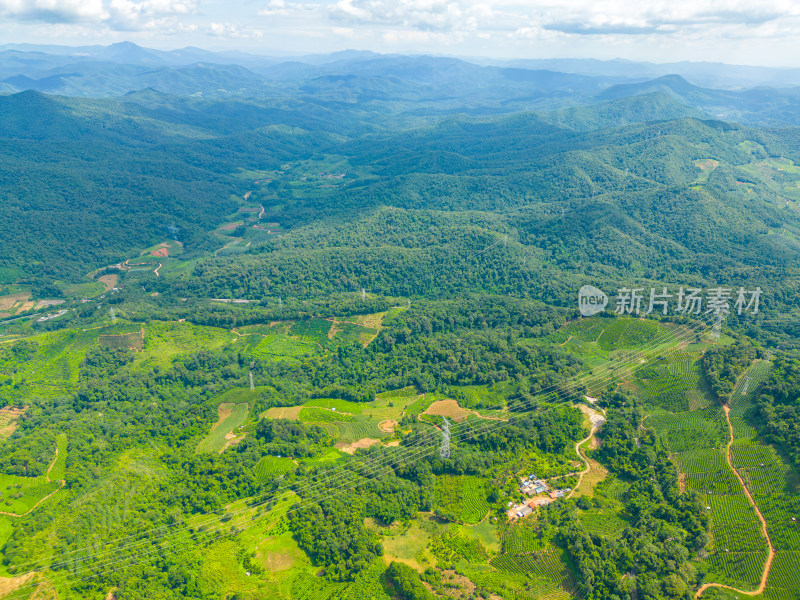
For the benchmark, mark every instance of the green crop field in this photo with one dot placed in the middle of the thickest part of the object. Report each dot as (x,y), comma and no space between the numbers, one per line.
(603,522)
(312,329)
(323,415)
(731,509)
(627,333)
(359,428)
(270,467)
(337,404)
(278,345)
(164,341)
(216,440)
(462,498)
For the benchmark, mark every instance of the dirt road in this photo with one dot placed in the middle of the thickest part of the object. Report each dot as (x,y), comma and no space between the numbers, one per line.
(768,564)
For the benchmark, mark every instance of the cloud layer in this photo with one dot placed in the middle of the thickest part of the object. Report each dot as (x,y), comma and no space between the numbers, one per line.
(584,26)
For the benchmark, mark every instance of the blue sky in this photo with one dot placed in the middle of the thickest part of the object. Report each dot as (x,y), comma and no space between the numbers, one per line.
(733,31)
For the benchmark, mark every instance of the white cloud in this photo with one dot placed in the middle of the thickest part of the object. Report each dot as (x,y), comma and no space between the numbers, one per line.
(422,15)
(275,8)
(232,31)
(54,11)
(122,15)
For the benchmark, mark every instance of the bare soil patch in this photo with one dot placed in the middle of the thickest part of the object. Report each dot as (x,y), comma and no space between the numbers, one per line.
(387,426)
(393,443)
(283,412)
(458,586)
(449,409)
(362,443)
(276,561)
(132,341)
(373,321)
(9,584)
(232,439)
(8,302)
(162,252)
(706,164)
(9,418)
(47,303)
(230,226)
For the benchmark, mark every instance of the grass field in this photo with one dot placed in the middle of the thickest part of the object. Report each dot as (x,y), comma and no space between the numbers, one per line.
(164,341)
(58,472)
(230,417)
(20,494)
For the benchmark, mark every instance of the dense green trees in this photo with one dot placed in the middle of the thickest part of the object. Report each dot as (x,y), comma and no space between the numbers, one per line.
(779,405)
(722,365)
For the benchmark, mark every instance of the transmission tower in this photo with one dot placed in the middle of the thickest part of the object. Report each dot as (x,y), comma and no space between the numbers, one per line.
(113,316)
(445,453)
(251,382)
(716,332)
(363,294)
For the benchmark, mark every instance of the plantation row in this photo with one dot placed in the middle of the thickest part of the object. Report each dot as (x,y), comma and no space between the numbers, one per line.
(461,498)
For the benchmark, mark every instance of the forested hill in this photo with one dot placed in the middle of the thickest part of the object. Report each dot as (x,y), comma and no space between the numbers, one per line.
(679,199)
(628,187)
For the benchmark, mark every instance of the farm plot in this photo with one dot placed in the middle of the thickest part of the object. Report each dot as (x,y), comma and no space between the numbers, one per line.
(280,346)
(627,333)
(323,415)
(461,498)
(588,330)
(230,417)
(741,569)
(547,568)
(603,522)
(784,576)
(449,409)
(358,429)
(739,537)
(123,341)
(312,329)
(686,431)
(720,483)
(731,509)
(164,341)
(699,461)
(9,417)
(270,467)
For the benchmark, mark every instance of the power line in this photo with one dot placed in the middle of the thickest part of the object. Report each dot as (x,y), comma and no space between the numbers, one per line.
(375,468)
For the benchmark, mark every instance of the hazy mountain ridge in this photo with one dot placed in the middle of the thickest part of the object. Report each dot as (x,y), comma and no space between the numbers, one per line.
(411,85)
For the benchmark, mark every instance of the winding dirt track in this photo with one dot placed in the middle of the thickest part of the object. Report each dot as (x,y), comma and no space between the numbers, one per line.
(768,564)
(585,460)
(32,508)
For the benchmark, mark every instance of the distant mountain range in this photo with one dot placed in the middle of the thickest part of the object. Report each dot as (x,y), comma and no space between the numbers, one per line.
(408,85)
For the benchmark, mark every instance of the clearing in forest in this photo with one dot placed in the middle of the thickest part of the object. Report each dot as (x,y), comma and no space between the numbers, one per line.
(449,409)
(9,417)
(221,436)
(283,412)
(358,445)
(109,281)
